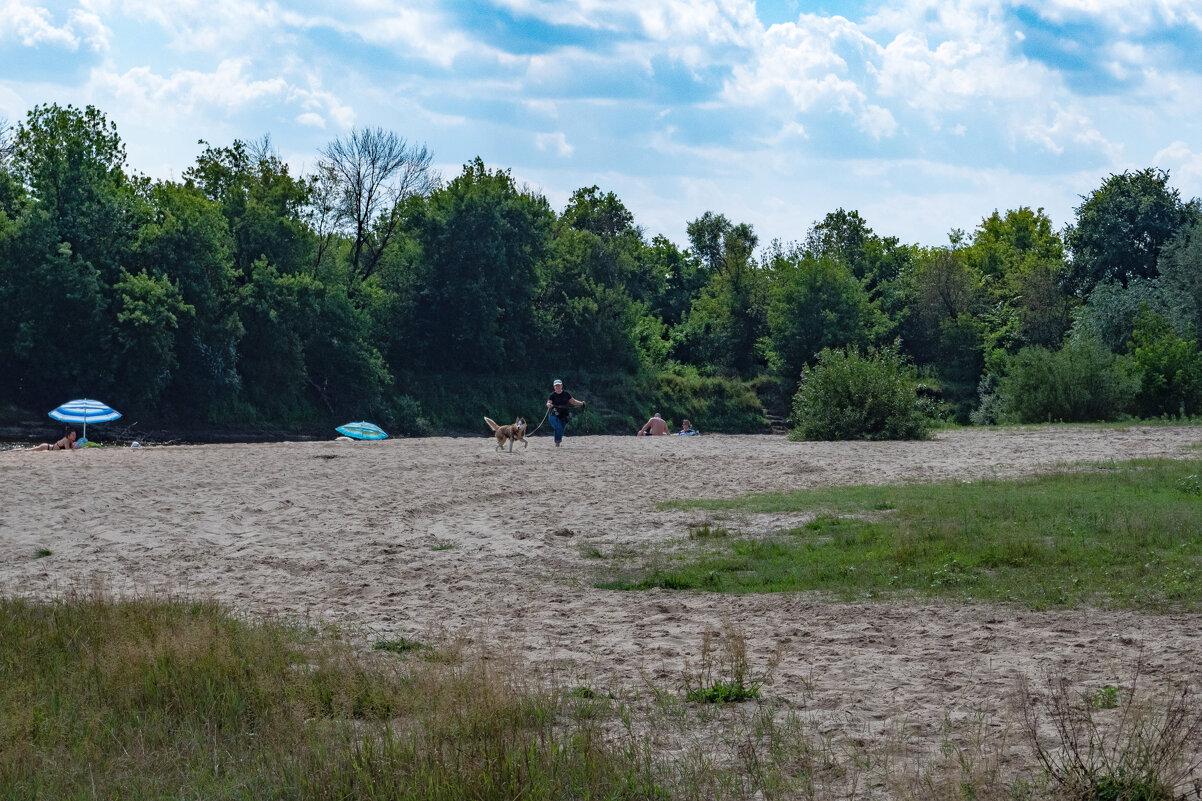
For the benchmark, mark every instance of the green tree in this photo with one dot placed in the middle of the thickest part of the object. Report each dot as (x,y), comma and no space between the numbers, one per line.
(72,161)
(592,316)
(55,340)
(187,239)
(619,258)
(1004,243)
(483,242)
(942,322)
(1170,368)
(277,310)
(1181,277)
(683,279)
(816,303)
(845,237)
(1110,312)
(1122,227)
(266,209)
(149,312)
(728,318)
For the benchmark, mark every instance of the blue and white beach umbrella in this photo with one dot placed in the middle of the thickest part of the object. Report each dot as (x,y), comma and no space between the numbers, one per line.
(362,431)
(85,411)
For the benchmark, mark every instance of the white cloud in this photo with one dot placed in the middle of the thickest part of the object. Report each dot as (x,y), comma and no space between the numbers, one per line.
(547,108)
(877,122)
(33,26)
(1123,16)
(955,72)
(812,65)
(712,22)
(312,120)
(320,103)
(207,26)
(1185,167)
(12,105)
(227,88)
(91,28)
(1066,127)
(556,142)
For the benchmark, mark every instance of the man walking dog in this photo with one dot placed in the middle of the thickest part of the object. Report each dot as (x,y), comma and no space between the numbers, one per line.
(560,405)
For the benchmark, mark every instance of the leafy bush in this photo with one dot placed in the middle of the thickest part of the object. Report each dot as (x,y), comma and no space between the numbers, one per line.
(1082,382)
(849,395)
(1170,368)
(1112,310)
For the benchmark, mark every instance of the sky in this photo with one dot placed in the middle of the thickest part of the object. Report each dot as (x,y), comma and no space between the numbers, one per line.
(923,115)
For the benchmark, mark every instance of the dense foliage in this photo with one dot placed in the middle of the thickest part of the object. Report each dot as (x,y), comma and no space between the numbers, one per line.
(243,294)
(851,395)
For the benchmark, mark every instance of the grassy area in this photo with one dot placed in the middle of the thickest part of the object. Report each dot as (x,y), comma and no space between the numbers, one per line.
(131,700)
(1119,535)
(144,699)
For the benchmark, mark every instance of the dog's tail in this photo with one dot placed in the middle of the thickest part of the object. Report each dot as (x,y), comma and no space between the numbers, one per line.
(491,424)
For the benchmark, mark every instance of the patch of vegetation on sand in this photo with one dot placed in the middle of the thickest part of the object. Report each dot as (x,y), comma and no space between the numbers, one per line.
(146,699)
(1123,535)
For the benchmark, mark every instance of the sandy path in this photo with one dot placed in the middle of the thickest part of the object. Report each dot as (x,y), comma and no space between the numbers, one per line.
(347,532)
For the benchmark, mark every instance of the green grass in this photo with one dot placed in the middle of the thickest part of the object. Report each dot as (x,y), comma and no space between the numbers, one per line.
(398,646)
(1115,535)
(723,693)
(41,553)
(143,699)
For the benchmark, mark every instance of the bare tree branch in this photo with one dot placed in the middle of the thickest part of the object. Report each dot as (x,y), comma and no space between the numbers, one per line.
(371,173)
(8,141)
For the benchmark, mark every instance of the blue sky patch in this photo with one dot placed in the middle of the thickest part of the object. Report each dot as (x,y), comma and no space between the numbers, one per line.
(678,106)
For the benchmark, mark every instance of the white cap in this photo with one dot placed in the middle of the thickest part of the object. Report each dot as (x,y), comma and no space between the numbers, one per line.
(557,381)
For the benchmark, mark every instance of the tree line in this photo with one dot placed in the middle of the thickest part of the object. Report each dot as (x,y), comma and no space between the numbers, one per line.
(374,288)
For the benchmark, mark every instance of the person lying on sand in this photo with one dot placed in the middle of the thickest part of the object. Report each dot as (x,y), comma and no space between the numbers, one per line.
(687,430)
(64,444)
(657,426)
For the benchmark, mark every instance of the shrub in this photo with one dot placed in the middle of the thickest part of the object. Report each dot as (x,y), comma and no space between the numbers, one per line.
(1082,382)
(1170,368)
(849,395)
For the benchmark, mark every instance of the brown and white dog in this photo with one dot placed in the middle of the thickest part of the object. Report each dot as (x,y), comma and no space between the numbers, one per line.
(516,432)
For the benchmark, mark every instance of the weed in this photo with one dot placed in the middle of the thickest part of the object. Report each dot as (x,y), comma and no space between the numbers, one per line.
(443,546)
(398,646)
(706,531)
(588,693)
(1104,698)
(723,673)
(1139,756)
(41,553)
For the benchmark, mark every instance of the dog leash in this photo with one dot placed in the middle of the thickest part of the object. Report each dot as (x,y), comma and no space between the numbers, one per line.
(540,424)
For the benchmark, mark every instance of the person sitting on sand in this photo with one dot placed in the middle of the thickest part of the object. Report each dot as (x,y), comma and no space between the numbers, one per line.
(64,444)
(657,426)
(687,430)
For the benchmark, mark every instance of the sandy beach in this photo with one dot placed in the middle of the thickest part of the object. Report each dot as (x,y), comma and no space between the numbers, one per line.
(358,534)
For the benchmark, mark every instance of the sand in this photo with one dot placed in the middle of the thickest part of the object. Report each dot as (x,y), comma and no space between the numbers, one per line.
(357,533)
